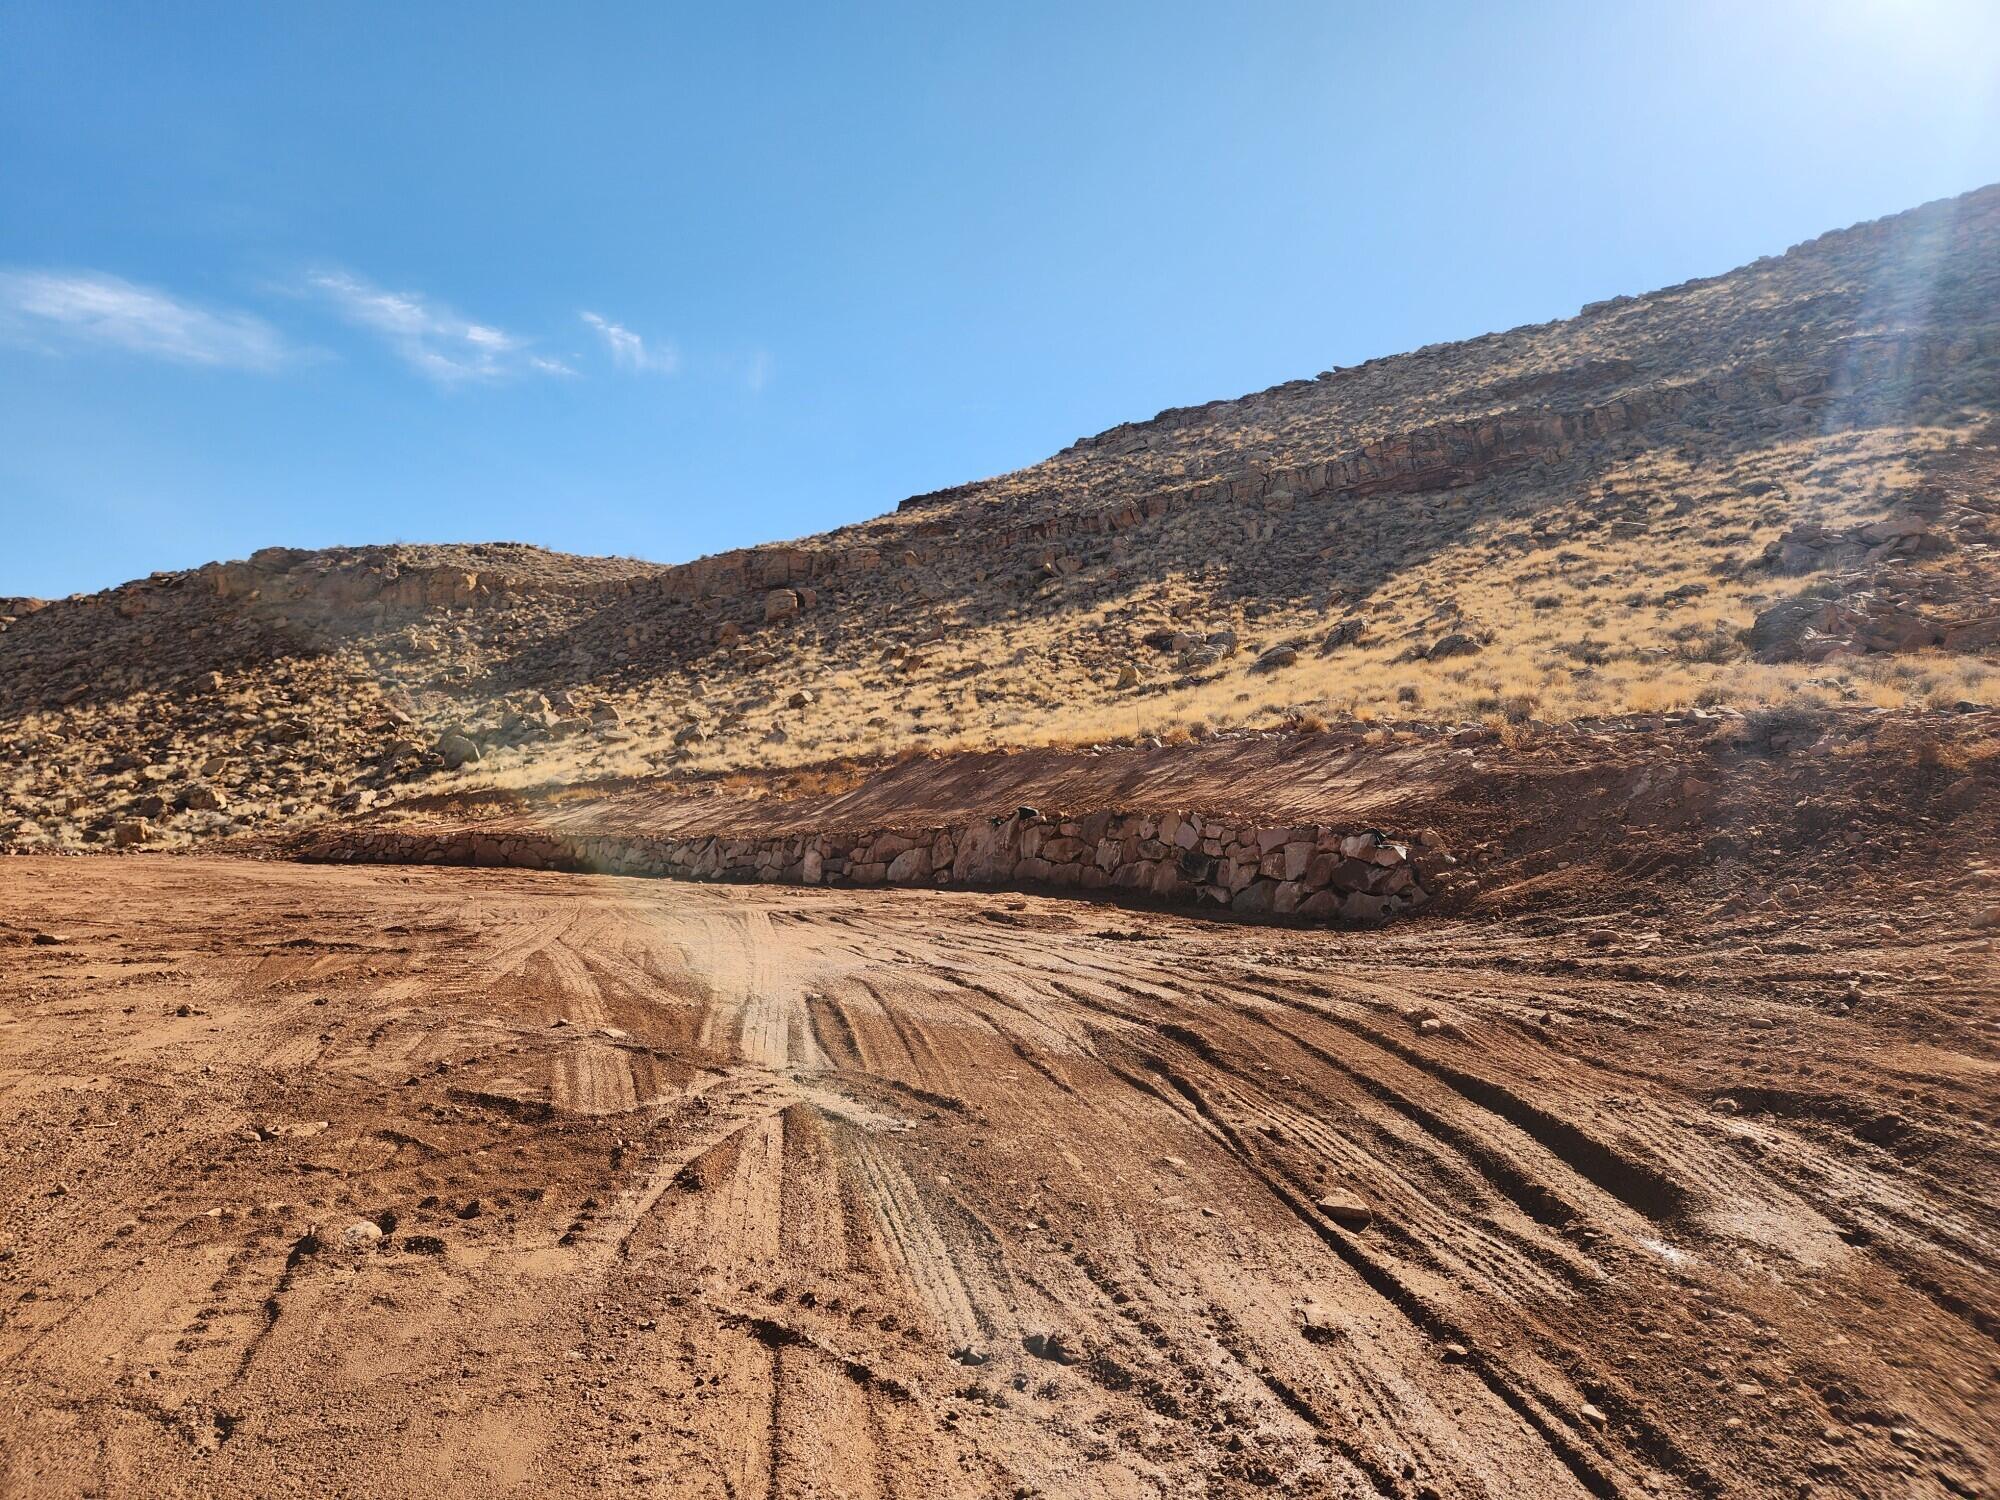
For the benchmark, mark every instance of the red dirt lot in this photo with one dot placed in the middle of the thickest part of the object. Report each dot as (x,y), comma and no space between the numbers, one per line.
(327,1180)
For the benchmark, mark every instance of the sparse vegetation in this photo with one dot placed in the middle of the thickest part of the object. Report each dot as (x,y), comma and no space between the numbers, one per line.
(1159,582)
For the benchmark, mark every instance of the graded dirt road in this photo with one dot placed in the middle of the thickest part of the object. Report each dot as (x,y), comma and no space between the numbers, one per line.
(400,1181)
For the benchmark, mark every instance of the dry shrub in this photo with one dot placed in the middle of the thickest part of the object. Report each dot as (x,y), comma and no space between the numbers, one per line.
(1645,697)
(1921,746)
(1781,721)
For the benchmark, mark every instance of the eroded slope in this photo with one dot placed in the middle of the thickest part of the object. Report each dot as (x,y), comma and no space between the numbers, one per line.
(1772,485)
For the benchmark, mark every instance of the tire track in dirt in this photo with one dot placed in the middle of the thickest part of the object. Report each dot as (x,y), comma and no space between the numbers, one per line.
(912,1244)
(1243,1125)
(1561,1435)
(757,1008)
(852,1135)
(1523,1278)
(592,1074)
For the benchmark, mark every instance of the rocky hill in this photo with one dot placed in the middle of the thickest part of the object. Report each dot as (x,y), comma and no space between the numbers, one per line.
(1780,484)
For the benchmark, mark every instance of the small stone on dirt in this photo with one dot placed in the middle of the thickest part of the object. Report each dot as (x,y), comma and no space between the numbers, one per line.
(1050,1346)
(1346,1210)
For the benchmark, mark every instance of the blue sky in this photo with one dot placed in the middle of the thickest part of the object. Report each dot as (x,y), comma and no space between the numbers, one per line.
(661,280)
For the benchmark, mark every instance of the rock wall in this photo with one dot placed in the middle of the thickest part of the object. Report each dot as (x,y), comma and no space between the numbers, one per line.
(1859,379)
(1866,372)
(371,581)
(1862,379)
(1310,872)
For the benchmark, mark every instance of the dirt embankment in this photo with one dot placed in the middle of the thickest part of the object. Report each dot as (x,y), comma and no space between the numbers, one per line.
(1734,810)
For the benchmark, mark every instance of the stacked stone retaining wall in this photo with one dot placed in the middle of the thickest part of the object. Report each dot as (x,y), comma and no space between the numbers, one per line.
(1308,871)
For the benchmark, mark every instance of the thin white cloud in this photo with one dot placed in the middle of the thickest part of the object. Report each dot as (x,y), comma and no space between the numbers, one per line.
(629,351)
(55,311)
(429,337)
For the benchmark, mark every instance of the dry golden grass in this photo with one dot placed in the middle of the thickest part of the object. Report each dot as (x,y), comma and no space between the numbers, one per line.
(1604,565)
(1592,619)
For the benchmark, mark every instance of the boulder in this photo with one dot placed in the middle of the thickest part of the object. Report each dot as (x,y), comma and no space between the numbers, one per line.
(1359,906)
(1298,858)
(911,864)
(1813,628)
(1255,898)
(1346,633)
(1320,906)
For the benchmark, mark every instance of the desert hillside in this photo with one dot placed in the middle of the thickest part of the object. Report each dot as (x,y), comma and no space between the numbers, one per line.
(1425,933)
(1775,486)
